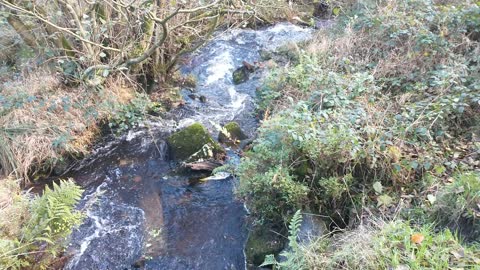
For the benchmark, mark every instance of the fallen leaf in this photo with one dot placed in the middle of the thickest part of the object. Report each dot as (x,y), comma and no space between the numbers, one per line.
(458,254)
(137,179)
(417,238)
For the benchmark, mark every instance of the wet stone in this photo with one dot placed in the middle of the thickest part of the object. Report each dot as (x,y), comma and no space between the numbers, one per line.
(231,133)
(191,141)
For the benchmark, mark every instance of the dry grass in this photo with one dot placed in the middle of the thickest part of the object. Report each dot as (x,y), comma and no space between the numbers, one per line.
(47,120)
(13,207)
(353,249)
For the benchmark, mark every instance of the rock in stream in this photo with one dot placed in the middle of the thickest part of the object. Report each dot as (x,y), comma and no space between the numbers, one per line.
(141,211)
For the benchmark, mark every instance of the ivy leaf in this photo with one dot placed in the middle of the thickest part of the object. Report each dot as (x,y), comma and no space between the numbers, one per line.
(336,11)
(384,200)
(414,165)
(431,198)
(377,186)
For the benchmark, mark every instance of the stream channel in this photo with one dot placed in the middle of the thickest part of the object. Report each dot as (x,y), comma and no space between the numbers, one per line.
(141,210)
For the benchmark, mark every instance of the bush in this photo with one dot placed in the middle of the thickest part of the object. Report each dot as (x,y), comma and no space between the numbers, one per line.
(390,95)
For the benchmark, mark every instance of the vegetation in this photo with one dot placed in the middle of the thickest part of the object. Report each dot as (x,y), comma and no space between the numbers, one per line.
(396,245)
(33,229)
(374,124)
(376,118)
(73,69)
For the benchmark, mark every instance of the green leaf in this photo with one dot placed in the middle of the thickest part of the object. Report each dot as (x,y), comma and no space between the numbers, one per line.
(384,200)
(414,165)
(336,11)
(269,260)
(431,198)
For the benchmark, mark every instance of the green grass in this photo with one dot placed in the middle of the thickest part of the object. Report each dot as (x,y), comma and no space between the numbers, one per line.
(391,246)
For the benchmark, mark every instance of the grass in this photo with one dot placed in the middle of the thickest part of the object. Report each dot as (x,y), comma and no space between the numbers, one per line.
(391,245)
(458,205)
(42,120)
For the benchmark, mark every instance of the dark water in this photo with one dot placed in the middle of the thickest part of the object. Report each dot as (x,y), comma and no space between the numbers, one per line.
(141,210)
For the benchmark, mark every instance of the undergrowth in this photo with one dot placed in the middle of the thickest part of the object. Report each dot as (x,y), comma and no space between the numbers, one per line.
(378,117)
(33,228)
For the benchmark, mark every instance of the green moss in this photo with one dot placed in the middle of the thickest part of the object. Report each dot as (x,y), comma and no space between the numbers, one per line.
(231,133)
(183,144)
(240,75)
(262,242)
(303,169)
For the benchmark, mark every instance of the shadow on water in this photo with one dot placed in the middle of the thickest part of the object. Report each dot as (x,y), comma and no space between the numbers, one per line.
(141,210)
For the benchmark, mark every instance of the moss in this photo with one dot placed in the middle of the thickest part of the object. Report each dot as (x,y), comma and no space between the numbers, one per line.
(303,169)
(289,53)
(240,75)
(183,144)
(262,242)
(233,133)
(265,55)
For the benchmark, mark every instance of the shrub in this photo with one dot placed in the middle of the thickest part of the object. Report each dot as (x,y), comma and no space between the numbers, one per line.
(389,95)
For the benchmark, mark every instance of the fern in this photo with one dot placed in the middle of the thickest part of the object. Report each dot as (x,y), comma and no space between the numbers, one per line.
(293,258)
(52,217)
(53,214)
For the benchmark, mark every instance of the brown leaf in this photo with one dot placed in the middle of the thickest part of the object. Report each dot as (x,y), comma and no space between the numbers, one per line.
(417,238)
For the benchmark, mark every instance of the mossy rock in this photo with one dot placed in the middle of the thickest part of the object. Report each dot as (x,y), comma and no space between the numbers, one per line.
(262,242)
(233,133)
(241,75)
(193,140)
(265,55)
(289,52)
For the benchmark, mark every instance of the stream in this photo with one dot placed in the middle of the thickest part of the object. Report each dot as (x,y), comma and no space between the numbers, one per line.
(142,211)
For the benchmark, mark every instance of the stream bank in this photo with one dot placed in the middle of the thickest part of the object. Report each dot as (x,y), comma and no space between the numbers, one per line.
(142,209)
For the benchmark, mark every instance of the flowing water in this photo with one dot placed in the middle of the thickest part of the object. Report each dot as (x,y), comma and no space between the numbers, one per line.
(142,211)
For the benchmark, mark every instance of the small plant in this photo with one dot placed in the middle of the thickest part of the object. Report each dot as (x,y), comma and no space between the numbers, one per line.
(131,114)
(46,221)
(458,204)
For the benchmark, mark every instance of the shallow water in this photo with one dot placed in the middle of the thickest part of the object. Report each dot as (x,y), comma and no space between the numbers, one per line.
(141,210)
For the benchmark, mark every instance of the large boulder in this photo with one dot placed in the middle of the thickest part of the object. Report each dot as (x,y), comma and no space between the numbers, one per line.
(194,143)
